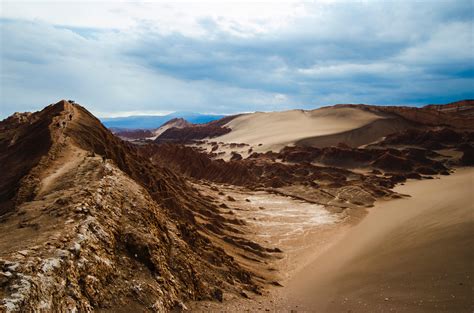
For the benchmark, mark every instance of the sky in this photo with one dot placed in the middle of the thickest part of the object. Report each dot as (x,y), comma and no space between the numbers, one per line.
(120,58)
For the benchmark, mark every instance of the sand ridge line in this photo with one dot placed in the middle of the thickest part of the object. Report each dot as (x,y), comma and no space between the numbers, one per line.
(274,130)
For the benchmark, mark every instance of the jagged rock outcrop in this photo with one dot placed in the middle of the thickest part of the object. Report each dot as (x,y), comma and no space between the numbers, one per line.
(263,171)
(133,134)
(89,223)
(431,138)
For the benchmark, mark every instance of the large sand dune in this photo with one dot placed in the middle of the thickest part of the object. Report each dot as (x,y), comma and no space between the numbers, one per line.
(408,255)
(274,130)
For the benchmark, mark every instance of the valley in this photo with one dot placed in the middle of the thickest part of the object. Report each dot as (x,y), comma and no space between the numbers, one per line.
(329,210)
(416,242)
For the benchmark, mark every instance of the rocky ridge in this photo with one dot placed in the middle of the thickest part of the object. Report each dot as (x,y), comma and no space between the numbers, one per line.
(90,224)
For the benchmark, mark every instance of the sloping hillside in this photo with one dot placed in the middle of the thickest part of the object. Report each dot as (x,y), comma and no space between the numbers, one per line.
(274,130)
(173,123)
(89,224)
(463,108)
(150,134)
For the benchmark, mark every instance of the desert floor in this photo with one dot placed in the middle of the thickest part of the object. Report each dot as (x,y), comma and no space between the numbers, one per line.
(414,254)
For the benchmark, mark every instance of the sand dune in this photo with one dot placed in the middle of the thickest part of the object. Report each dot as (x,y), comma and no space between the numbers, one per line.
(357,137)
(274,130)
(408,255)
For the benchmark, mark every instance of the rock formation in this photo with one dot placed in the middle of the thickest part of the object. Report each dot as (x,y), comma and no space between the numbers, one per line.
(88,223)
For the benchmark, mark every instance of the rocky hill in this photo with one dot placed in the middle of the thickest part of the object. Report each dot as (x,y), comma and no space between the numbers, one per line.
(195,132)
(463,107)
(88,223)
(151,134)
(173,123)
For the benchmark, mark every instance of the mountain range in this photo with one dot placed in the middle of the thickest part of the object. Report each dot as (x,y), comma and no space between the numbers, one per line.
(155,121)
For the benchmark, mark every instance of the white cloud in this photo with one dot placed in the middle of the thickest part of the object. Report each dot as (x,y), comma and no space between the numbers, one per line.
(223,57)
(341,70)
(94,73)
(280,98)
(185,17)
(453,42)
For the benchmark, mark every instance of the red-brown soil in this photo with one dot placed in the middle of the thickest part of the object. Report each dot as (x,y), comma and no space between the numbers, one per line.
(86,208)
(463,107)
(134,134)
(24,139)
(439,115)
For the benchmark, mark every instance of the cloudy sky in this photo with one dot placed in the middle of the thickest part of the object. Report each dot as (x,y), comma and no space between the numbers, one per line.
(122,58)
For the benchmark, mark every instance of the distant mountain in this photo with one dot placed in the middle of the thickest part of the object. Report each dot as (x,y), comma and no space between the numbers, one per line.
(138,134)
(155,121)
